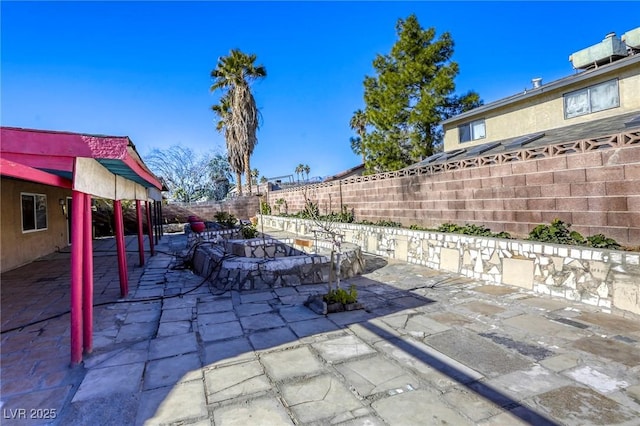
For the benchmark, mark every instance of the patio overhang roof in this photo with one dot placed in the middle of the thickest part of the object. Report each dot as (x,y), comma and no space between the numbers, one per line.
(58,153)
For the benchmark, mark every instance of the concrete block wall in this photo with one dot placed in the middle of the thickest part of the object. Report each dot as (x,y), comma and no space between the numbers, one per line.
(597,190)
(241,207)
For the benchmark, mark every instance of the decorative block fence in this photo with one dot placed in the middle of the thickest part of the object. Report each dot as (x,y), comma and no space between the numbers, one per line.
(593,184)
(609,279)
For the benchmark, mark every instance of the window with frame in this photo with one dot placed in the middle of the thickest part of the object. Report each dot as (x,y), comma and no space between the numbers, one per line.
(34,212)
(592,99)
(472,131)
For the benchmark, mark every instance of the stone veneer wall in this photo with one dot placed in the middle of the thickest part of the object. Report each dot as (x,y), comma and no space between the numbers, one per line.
(609,279)
(258,264)
(593,184)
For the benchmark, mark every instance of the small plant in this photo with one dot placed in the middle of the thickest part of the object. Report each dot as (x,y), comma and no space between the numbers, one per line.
(225,219)
(341,295)
(280,203)
(382,222)
(345,216)
(600,241)
(310,211)
(557,232)
(248,232)
(470,229)
(450,227)
(265,208)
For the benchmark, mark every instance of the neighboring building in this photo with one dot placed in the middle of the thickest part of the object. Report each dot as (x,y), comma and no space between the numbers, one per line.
(607,92)
(354,171)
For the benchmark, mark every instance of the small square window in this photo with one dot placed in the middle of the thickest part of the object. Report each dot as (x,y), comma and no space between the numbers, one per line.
(472,131)
(34,212)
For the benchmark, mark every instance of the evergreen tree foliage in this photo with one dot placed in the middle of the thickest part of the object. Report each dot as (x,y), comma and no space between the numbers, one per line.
(411,93)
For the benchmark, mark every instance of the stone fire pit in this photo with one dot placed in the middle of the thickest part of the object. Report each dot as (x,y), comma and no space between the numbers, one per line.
(262,263)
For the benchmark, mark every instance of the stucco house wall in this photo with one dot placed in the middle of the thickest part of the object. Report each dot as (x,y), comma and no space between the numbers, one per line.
(18,247)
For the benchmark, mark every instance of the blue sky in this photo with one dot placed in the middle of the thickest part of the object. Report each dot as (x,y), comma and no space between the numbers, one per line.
(142,69)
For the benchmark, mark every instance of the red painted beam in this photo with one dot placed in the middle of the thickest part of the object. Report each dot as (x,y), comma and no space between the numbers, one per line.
(77,229)
(48,145)
(16,170)
(150,229)
(140,232)
(87,290)
(122,255)
(142,172)
(65,144)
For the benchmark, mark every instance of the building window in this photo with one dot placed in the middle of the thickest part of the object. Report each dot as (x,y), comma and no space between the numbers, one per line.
(472,131)
(592,99)
(34,212)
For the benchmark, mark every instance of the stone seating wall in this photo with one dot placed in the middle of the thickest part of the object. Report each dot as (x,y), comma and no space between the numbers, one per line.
(609,279)
(258,264)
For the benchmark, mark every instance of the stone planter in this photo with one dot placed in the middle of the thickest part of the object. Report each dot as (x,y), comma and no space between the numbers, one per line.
(319,306)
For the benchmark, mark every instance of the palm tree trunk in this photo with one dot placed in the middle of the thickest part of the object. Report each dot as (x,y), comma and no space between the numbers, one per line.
(247,170)
(239,183)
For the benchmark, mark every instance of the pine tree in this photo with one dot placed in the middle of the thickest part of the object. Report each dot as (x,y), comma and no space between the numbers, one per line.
(412,92)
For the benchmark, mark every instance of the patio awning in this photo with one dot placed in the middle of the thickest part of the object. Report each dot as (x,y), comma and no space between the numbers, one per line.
(102,166)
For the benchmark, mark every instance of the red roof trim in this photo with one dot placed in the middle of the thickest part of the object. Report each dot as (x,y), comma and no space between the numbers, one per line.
(53,150)
(64,164)
(35,142)
(20,171)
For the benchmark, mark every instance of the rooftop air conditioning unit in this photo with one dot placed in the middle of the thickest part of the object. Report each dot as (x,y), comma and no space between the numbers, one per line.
(608,50)
(632,38)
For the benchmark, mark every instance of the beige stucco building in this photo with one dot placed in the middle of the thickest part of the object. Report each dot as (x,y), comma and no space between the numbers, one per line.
(605,91)
(22,239)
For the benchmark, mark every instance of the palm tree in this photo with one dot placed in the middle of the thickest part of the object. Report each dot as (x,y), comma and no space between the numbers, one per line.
(359,124)
(234,73)
(224,125)
(306,169)
(299,170)
(254,175)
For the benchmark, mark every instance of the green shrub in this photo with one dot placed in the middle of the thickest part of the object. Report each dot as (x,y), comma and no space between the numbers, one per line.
(281,202)
(471,229)
(248,232)
(225,219)
(265,208)
(600,241)
(341,296)
(450,227)
(310,211)
(345,216)
(557,233)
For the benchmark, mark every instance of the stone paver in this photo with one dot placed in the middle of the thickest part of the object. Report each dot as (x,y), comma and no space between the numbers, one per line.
(318,398)
(292,363)
(238,380)
(255,412)
(429,348)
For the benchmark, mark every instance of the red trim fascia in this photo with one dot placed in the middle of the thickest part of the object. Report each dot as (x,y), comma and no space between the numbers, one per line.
(39,142)
(64,164)
(137,168)
(20,171)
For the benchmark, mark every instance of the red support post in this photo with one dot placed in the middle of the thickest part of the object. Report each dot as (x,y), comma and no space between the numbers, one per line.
(140,232)
(122,255)
(150,228)
(87,291)
(77,229)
